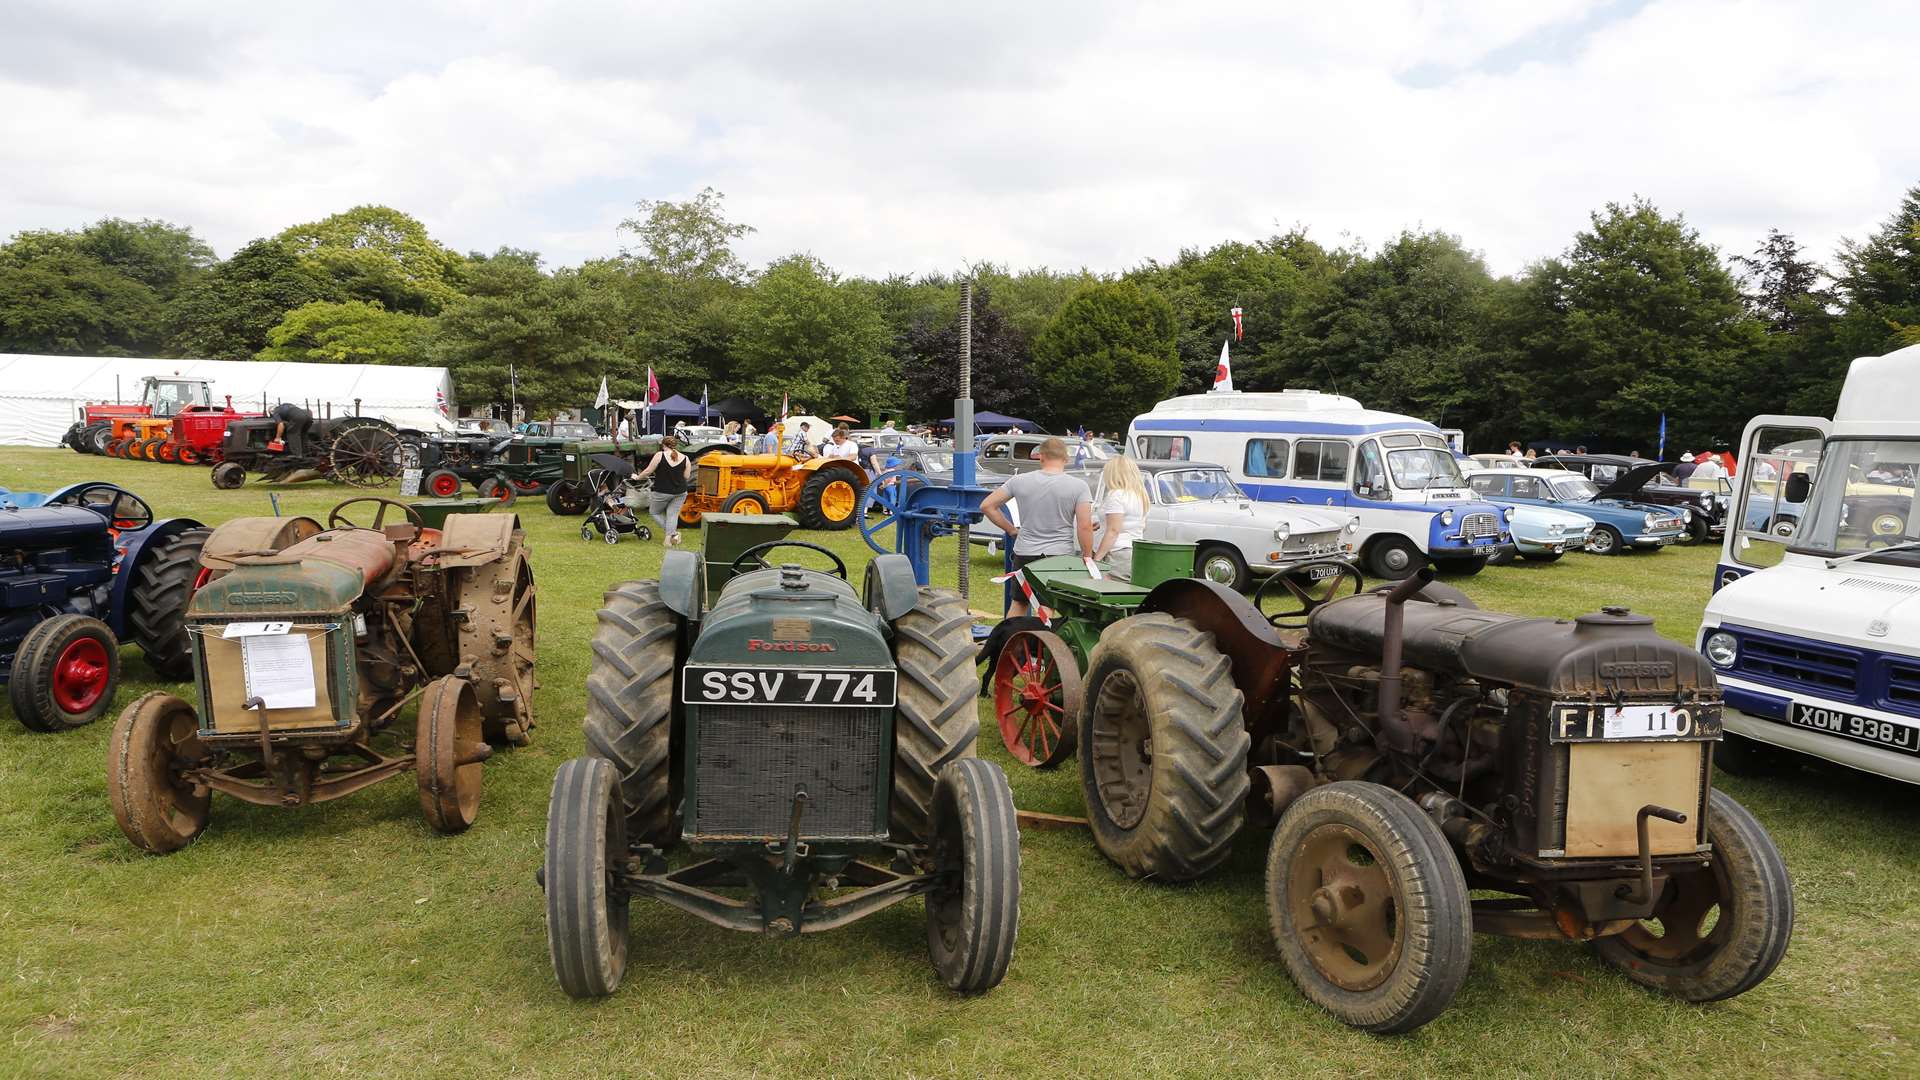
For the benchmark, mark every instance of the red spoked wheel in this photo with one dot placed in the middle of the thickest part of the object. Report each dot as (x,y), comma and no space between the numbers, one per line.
(81,675)
(443,483)
(1036,698)
(528,487)
(187,455)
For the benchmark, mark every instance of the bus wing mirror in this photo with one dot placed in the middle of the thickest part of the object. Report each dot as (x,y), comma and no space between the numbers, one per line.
(1799,485)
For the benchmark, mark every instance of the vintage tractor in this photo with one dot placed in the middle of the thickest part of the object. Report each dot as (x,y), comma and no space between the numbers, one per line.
(811,744)
(196,435)
(571,494)
(111,429)
(307,643)
(1410,748)
(80,569)
(358,450)
(824,493)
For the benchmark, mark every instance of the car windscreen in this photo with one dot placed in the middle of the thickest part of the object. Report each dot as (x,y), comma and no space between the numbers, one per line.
(1573,488)
(1864,497)
(1190,485)
(1424,467)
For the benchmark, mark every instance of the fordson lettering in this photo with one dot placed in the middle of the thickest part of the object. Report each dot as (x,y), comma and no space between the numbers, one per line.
(757,645)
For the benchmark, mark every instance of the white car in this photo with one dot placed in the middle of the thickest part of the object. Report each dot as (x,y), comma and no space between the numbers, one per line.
(1238,537)
(1543,534)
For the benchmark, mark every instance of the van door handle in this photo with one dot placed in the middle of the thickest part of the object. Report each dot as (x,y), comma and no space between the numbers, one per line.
(1293,499)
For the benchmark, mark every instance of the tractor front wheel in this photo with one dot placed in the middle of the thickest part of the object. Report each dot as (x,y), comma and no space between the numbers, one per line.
(745,502)
(167,452)
(442,484)
(567,498)
(187,455)
(450,747)
(167,579)
(630,704)
(64,673)
(1163,749)
(974,914)
(150,449)
(1368,907)
(1721,928)
(829,500)
(229,475)
(155,742)
(498,487)
(586,914)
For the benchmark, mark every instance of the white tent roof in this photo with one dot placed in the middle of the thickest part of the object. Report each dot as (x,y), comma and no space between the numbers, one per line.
(40,396)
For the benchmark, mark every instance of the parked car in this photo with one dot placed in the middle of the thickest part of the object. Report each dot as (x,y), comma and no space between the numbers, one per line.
(699,434)
(1495,461)
(570,430)
(1009,454)
(1192,502)
(1621,477)
(1543,533)
(483,425)
(877,446)
(1619,525)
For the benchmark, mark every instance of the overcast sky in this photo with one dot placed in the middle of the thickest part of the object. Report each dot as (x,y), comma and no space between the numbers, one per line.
(908,137)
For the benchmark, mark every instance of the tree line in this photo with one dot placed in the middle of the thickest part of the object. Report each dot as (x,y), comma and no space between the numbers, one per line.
(1636,318)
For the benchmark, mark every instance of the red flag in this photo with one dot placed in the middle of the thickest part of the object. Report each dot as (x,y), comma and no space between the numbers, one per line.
(783,408)
(1236,324)
(653,388)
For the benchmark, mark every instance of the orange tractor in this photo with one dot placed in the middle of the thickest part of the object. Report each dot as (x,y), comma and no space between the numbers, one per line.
(175,421)
(822,492)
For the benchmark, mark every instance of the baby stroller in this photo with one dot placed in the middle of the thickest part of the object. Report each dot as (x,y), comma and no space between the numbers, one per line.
(613,507)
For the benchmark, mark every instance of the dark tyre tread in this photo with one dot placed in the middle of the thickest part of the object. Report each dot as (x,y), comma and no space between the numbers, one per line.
(936,722)
(160,599)
(154,813)
(1761,914)
(1196,803)
(630,704)
(565,499)
(1435,913)
(586,916)
(972,923)
(810,512)
(30,685)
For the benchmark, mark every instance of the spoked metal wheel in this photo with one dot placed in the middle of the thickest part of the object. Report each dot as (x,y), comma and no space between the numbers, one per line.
(881,504)
(366,456)
(1036,698)
(450,746)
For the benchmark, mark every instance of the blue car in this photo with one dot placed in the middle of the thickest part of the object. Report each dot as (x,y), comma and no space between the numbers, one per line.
(1619,526)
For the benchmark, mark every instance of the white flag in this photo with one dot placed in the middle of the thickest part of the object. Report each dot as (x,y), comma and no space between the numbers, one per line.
(1223,375)
(600,402)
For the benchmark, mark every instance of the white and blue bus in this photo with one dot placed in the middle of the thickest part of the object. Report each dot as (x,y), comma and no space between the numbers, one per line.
(1396,473)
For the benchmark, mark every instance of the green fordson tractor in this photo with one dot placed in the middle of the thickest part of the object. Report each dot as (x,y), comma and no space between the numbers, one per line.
(774,750)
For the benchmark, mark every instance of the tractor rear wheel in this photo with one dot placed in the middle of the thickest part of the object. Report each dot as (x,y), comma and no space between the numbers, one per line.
(64,673)
(586,914)
(113,447)
(936,722)
(1163,749)
(1744,894)
(974,916)
(158,808)
(96,437)
(567,498)
(442,484)
(229,475)
(168,576)
(1368,907)
(449,746)
(630,705)
(829,500)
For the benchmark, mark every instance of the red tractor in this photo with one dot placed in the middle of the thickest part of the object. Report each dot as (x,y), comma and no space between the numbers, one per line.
(174,421)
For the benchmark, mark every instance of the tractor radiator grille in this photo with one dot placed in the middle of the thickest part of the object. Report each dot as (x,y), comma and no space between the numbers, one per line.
(709,481)
(1474,525)
(750,758)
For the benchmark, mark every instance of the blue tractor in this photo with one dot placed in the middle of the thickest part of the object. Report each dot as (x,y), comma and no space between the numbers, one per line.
(80,569)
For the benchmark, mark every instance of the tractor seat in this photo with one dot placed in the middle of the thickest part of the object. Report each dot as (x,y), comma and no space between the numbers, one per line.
(369,552)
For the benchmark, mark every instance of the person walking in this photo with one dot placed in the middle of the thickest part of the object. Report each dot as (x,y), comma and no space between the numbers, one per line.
(672,473)
(1055,509)
(1123,514)
(1513,451)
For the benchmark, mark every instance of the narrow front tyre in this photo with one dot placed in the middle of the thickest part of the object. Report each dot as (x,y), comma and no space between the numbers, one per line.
(973,914)
(586,909)
(64,673)
(155,800)
(450,745)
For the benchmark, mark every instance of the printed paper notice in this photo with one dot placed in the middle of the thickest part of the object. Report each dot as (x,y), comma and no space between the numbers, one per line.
(255,629)
(279,670)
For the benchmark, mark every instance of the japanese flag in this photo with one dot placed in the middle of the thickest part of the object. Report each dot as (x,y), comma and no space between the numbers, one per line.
(1223,375)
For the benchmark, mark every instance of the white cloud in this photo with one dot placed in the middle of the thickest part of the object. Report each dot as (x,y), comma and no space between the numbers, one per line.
(885,137)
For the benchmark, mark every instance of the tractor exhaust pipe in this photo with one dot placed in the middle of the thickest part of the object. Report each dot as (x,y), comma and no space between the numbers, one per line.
(1394,732)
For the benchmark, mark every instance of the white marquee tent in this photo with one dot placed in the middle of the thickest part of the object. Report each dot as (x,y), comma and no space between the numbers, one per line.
(41,396)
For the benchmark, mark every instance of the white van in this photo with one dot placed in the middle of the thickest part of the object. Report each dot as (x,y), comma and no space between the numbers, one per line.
(1814,624)
(1396,473)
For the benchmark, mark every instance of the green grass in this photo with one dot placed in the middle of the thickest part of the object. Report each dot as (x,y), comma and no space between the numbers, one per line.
(349,939)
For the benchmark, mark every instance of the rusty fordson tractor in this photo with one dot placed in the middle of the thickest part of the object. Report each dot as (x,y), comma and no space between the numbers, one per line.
(307,642)
(1409,748)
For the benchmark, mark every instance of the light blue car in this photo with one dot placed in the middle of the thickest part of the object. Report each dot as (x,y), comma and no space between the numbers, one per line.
(1619,526)
(1543,534)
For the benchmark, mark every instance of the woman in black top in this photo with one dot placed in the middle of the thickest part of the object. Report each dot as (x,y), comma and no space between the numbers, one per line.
(672,472)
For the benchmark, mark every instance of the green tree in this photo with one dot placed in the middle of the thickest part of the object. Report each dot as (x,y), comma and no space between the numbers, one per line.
(558,332)
(1799,366)
(1110,354)
(379,254)
(160,255)
(66,303)
(930,357)
(1879,284)
(804,332)
(684,287)
(352,332)
(225,313)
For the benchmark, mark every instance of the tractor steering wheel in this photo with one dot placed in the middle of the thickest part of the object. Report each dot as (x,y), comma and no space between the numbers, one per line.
(733,569)
(337,520)
(1310,592)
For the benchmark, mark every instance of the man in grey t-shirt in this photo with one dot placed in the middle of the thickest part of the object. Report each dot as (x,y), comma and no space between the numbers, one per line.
(1056,512)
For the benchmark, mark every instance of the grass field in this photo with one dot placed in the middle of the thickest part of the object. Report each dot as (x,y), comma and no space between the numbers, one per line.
(349,939)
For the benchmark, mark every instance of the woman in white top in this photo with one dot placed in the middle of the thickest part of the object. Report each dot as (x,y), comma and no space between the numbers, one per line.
(1123,514)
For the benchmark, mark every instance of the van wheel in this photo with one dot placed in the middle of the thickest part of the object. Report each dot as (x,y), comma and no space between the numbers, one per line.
(1393,558)
(1224,566)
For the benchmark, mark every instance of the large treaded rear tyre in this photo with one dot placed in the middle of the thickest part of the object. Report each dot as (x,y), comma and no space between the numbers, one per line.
(586,916)
(1746,887)
(1163,749)
(566,498)
(1368,907)
(936,722)
(630,705)
(160,598)
(824,506)
(974,916)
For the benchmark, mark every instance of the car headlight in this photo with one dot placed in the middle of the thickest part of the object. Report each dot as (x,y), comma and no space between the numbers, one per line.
(1722,648)
(1508,512)
(1446,517)
(1686,514)
(1285,530)
(1556,529)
